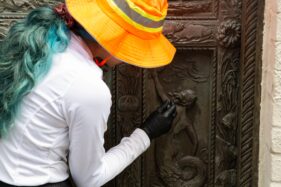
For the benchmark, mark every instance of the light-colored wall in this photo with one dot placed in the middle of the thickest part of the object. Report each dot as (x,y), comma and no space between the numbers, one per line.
(270,124)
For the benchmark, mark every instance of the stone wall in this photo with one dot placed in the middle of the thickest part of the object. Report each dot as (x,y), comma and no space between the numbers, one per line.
(270,130)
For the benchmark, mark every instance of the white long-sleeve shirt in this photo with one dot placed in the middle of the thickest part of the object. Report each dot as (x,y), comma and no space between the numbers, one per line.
(66,113)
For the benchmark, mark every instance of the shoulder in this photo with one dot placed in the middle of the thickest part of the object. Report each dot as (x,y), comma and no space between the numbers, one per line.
(87,102)
(71,62)
(86,99)
(88,91)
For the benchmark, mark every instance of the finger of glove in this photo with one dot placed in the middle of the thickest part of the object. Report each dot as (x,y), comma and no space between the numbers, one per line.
(170,111)
(163,106)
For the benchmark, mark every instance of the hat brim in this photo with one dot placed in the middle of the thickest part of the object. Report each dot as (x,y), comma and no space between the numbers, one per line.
(117,41)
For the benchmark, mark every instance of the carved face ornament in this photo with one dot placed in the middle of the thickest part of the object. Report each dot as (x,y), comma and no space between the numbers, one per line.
(185,97)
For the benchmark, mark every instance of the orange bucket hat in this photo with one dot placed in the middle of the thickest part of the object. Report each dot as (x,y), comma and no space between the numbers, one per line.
(130,30)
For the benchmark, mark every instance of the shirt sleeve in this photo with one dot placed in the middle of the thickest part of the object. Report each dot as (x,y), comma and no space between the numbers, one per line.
(87,106)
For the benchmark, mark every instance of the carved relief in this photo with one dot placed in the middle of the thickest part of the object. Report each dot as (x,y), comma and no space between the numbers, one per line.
(226,178)
(193,8)
(229,33)
(128,101)
(128,115)
(184,99)
(231,8)
(189,7)
(181,156)
(15,5)
(176,168)
(12,10)
(226,152)
(186,33)
(4,26)
(22,6)
(228,37)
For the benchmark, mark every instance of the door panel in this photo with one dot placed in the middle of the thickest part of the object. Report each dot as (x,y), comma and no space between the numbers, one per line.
(181,157)
(213,79)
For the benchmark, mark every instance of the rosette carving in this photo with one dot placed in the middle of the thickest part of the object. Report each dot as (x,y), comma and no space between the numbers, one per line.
(229,33)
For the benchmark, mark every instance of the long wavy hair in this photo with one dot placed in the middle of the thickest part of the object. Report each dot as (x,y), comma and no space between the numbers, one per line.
(26,57)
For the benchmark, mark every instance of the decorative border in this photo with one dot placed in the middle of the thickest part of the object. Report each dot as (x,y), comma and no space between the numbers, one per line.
(212,154)
(252,12)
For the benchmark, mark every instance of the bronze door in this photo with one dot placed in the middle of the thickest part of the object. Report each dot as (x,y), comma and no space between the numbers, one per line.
(213,79)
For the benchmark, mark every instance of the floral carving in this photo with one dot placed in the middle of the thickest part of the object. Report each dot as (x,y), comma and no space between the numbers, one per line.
(229,33)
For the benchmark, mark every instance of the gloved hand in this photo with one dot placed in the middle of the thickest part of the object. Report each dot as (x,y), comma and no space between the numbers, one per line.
(160,121)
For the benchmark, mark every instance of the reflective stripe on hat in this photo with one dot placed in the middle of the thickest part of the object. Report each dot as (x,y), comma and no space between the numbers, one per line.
(136,16)
(143,13)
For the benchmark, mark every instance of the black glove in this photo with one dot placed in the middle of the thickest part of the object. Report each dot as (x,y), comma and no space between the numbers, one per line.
(160,121)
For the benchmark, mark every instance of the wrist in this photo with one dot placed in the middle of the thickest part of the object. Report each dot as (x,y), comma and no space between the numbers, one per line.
(146,130)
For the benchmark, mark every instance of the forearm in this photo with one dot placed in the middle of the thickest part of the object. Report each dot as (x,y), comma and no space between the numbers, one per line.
(114,161)
(119,157)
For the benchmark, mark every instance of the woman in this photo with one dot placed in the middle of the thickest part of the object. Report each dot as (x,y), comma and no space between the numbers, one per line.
(54,104)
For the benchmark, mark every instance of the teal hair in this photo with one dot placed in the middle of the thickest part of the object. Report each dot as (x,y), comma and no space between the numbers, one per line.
(26,57)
